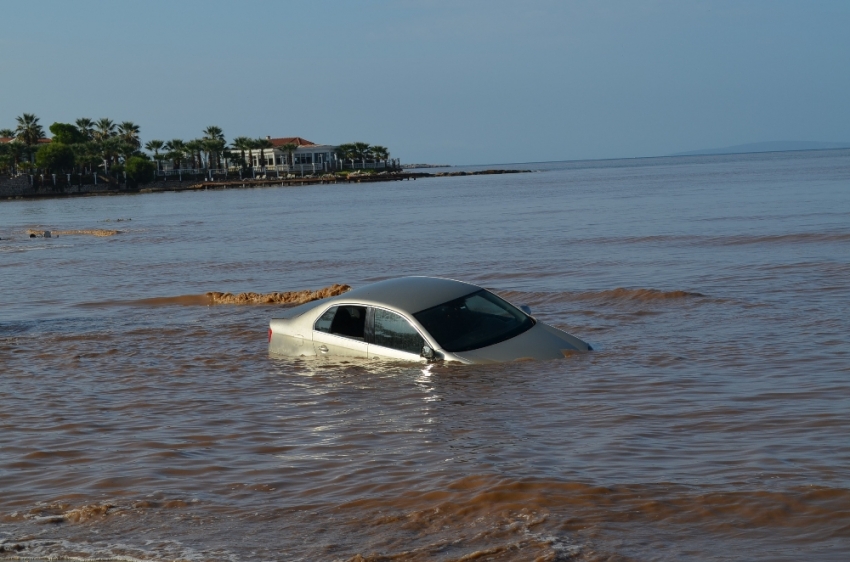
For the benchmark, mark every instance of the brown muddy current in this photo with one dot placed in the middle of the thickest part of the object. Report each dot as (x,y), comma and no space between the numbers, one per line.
(138,422)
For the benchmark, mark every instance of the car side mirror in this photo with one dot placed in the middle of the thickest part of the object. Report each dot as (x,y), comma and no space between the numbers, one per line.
(525,308)
(428,353)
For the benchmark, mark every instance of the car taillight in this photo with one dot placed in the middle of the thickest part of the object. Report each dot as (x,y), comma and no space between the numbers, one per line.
(270,335)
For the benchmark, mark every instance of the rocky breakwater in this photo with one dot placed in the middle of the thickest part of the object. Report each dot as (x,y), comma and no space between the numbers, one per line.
(478,173)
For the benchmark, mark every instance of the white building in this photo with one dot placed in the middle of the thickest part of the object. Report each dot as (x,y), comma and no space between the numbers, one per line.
(286,155)
(307,157)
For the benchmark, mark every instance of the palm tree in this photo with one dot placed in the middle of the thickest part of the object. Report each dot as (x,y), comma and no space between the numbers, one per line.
(85,126)
(129,133)
(126,149)
(252,145)
(194,147)
(290,149)
(380,153)
(263,144)
(176,151)
(5,157)
(104,129)
(29,131)
(154,146)
(213,133)
(242,144)
(6,133)
(215,147)
(212,137)
(361,150)
(109,149)
(227,157)
(347,151)
(17,149)
(86,153)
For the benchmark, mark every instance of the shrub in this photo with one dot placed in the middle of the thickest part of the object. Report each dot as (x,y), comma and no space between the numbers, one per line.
(139,170)
(66,134)
(55,157)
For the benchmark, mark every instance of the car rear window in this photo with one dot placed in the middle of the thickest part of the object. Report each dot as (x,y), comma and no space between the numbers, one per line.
(477,320)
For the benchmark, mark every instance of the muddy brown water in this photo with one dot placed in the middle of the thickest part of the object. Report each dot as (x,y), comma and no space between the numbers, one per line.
(712,422)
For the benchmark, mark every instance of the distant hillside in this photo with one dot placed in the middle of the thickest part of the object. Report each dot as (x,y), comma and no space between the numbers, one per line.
(775,146)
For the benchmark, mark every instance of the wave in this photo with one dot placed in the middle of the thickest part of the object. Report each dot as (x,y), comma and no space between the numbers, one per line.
(16,249)
(731,240)
(181,300)
(638,295)
(801,237)
(216,298)
(46,550)
(508,519)
(819,510)
(479,516)
(619,294)
(290,297)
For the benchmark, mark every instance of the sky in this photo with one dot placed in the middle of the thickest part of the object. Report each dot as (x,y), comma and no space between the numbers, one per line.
(448,82)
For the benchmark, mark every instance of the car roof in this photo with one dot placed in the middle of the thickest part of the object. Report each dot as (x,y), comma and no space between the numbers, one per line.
(409,294)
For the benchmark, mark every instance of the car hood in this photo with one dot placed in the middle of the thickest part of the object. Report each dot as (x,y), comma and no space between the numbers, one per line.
(540,342)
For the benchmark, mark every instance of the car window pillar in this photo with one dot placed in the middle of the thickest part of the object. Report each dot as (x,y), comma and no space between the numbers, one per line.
(369,328)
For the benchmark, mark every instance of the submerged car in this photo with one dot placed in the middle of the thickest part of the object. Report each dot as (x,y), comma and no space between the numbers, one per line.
(418,319)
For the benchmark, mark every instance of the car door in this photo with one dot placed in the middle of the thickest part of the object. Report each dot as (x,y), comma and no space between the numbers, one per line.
(340,332)
(393,337)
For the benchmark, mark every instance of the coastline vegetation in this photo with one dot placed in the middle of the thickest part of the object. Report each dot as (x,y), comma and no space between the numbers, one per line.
(113,151)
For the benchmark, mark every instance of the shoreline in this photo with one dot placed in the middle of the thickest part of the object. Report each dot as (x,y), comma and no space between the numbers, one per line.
(176,185)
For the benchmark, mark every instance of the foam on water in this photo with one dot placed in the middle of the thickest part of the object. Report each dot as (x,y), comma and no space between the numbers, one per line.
(216,297)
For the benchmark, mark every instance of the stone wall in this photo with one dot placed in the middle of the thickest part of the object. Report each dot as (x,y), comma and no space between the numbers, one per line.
(89,188)
(166,185)
(20,187)
(13,187)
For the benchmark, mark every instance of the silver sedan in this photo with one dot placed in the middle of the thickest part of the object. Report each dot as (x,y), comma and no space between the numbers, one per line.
(418,319)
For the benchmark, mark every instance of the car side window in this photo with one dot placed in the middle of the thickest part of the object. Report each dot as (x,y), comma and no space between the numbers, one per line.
(323,324)
(393,331)
(347,321)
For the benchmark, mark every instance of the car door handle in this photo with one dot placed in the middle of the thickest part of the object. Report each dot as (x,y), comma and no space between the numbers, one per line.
(323,348)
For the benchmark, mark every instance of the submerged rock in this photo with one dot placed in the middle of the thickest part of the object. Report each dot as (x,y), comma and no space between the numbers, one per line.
(90,232)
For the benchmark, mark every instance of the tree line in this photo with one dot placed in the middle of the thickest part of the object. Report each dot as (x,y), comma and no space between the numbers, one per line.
(87,146)
(363,152)
(106,147)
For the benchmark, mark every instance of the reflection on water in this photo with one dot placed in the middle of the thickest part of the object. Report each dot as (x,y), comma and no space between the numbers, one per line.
(711,422)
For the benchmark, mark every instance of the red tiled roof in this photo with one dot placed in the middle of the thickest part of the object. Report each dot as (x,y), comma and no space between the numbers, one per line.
(294,140)
(10,139)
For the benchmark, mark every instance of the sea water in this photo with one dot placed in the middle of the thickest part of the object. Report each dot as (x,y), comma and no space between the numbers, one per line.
(712,422)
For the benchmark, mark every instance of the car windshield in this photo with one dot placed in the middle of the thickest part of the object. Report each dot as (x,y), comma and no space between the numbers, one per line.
(474,321)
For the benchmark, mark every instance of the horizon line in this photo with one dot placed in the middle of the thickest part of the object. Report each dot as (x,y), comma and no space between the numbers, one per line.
(677,155)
